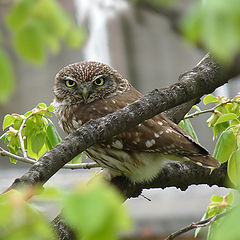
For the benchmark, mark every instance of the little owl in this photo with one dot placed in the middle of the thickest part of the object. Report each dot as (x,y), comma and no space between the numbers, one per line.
(90,90)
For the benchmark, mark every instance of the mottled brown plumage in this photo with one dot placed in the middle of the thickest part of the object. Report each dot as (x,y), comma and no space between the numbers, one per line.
(89,90)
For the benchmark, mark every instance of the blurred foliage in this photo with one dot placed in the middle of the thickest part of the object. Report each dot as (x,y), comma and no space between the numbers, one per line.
(214,24)
(7,77)
(94,212)
(36,26)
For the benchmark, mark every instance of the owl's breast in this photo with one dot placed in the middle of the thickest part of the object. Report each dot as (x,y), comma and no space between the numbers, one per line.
(137,166)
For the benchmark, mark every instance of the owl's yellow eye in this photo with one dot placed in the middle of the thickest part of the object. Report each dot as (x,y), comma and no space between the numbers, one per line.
(70,83)
(99,82)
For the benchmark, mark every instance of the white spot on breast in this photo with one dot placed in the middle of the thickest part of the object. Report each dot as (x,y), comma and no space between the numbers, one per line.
(150,143)
(117,144)
(160,123)
(106,108)
(113,101)
(160,133)
(156,135)
(138,140)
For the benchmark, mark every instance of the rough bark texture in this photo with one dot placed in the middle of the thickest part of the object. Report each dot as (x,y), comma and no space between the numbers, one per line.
(202,79)
(62,230)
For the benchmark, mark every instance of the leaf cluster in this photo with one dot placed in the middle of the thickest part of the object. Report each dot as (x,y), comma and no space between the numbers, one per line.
(214,24)
(40,24)
(36,26)
(93,211)
(218,205)
(225,120)
(38,132)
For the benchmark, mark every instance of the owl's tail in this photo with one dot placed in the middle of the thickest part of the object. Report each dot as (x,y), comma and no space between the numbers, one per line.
(204,161)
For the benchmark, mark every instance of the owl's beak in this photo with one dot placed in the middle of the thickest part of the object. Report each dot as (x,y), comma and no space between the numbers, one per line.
(85,94)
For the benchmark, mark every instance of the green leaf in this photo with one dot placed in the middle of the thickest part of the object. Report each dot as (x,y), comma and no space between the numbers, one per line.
(100,207)
(226,117)
(7,77)
(210,99)
(54,18)
(216,198)
(20,221)
(234,167)
(230,198)
(228,226)
(225,146)
(187,126)
(196,108)
(29,42)
(52,136)
(8,121)
(77,159)
(19,13)
(38,142)
(214,24)
(42,105)
(50,108)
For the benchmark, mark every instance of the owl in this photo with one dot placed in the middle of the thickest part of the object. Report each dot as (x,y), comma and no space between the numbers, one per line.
(90,90)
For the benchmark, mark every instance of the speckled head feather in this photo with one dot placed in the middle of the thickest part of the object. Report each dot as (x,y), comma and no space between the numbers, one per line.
(84,74)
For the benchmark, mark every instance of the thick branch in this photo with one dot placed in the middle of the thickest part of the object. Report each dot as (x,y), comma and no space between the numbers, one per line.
(202,79)
(179,175)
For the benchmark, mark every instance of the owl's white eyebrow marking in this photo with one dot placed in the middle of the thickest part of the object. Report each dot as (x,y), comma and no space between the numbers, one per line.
(69,78)
(98,76)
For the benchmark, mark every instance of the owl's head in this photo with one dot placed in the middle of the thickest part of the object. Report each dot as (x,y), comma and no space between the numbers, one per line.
(88,81)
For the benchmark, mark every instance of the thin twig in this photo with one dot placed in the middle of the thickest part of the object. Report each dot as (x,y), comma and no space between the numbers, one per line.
(24,151)
(207,111)
(203,223)
(5,153)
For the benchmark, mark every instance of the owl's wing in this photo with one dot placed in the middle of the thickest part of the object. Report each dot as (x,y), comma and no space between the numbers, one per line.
(161,135)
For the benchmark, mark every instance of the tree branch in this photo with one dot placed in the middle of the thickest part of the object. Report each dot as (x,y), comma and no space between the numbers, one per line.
(203,223)
(90,165)
(202,79)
